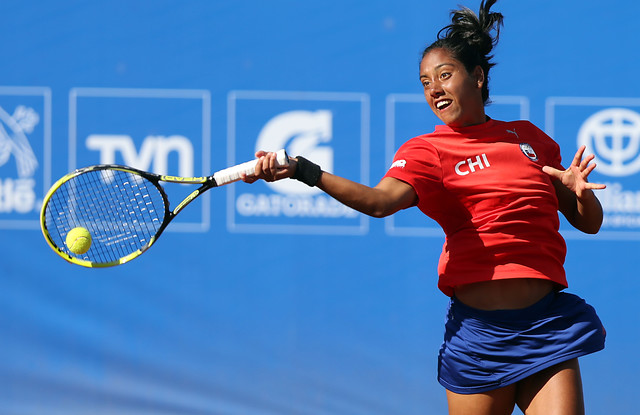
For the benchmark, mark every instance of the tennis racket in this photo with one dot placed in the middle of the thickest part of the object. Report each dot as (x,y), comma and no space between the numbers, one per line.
(124,210)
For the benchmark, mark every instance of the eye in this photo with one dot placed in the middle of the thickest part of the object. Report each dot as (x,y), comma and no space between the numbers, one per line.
(445,75)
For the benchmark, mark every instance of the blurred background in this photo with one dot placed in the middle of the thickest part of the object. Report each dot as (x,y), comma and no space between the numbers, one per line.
(273,299)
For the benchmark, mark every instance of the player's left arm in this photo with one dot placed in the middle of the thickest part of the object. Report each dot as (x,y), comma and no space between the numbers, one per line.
(576,199)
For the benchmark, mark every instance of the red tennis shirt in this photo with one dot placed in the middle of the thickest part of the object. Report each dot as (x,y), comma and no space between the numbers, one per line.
(485,186)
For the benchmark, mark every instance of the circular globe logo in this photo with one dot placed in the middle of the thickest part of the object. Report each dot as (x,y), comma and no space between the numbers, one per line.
(613,135)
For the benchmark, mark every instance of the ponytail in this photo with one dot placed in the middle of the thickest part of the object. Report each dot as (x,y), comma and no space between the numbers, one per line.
(469,39)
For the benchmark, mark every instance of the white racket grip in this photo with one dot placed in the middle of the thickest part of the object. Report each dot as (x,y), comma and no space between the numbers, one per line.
(233,174)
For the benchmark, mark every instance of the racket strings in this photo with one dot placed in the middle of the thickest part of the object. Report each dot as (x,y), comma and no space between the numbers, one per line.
(122,211)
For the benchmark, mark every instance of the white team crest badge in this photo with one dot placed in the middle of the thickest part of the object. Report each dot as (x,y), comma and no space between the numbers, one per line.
(528,151)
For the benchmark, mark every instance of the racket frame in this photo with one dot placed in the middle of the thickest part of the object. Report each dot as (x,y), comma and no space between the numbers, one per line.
(219,178)
(206,184)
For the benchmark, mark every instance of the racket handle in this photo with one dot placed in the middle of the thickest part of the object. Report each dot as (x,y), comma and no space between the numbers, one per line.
(233,174)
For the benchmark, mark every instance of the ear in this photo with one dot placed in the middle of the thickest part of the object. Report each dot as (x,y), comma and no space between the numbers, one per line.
(478,75)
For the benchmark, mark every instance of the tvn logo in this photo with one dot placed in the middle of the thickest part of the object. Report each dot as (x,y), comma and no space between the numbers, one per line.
(153,155)
(162,131)
(329,128)
(610,129)
(25,154)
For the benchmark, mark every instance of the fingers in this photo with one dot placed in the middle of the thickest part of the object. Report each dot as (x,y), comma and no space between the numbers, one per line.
(579,161)
(266,168)
(575,177)
(587,170)
(585,174)
(578,157)
(596,186)
(553,172)
(270,167)
(585,163)
(248,179)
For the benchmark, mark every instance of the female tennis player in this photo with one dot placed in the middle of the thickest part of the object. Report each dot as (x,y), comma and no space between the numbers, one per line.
(512,336)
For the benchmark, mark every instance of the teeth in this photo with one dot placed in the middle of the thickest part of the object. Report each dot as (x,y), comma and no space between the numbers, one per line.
(441,104)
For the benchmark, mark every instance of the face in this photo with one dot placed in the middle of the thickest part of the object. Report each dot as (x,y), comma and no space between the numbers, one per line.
(454,94)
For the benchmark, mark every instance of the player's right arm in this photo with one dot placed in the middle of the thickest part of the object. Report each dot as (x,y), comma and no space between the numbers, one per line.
(386,198)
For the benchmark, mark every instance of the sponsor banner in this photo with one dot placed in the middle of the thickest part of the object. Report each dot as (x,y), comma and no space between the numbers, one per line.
(610,129)
(407,116)
(331,129)
(25,154)
(164,131)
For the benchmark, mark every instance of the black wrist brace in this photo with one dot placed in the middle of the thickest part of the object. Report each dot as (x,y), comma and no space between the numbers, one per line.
(307,172)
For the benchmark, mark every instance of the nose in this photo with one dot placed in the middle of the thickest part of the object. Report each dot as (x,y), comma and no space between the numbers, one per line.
(435,89)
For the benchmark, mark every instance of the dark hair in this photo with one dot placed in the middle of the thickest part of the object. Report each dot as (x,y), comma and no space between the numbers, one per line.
(469,39)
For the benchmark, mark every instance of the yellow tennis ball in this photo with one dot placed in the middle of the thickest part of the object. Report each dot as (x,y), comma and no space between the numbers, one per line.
(78,240)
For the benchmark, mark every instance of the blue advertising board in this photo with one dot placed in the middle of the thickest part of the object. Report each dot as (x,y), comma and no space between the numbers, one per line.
(272,298)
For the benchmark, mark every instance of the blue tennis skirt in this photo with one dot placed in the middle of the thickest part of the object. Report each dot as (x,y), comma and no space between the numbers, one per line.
(486,350)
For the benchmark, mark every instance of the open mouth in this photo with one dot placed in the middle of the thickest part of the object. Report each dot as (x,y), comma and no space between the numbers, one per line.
(440,105)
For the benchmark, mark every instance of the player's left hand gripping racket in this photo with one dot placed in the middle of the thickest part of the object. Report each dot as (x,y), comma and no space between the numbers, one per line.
(124,209)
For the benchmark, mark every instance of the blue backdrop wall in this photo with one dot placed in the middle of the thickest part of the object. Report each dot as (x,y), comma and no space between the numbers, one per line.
(272,299)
